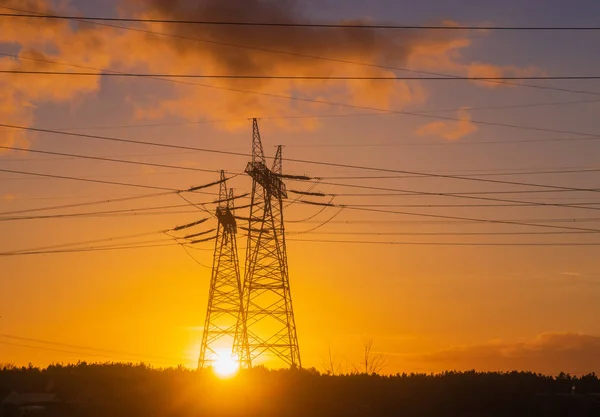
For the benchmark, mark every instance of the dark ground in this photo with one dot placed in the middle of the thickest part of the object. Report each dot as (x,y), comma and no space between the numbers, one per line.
(136,390)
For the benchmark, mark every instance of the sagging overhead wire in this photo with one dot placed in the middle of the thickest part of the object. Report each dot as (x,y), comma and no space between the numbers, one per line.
(300,77)
(139,245)
(288,53)
(101,202)
(473,178)
(469,196)
(490,244)
(88,348)
(321,163)
(64,177)
(333,115)
(192,257)
(566,205)
(134,211)
(325,223)
(87,242)
(91,203)
(313,216)
(512,106)
(448,217)
(478,174)
(299,24)
(106,159)
(473,219)
(122,140)
(570,220)
(201,207)
(487,234)
(418,194)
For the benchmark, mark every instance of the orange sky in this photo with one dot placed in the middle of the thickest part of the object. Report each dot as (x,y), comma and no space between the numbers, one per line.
(449,294)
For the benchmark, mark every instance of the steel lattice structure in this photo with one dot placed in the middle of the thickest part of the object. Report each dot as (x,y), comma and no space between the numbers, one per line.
(270,327)
(225,315)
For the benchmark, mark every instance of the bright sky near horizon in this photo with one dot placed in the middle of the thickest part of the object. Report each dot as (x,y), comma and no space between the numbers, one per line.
(451,293)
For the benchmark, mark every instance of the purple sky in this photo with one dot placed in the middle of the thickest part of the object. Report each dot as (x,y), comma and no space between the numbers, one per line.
(412,299)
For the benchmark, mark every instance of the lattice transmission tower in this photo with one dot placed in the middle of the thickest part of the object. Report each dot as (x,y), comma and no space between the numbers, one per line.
(270,325)
(225,314)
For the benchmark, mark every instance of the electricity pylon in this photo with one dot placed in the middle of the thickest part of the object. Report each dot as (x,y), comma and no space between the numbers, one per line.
(270,324)
(224,316)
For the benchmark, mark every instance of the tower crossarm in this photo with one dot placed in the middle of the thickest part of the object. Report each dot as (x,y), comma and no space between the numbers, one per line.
(270,181)
(226,218)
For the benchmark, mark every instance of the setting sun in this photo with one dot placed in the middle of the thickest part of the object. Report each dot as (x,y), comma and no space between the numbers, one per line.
(239,208)
(225,364)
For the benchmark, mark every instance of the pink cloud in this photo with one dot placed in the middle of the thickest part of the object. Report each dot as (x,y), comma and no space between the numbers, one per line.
(450,130)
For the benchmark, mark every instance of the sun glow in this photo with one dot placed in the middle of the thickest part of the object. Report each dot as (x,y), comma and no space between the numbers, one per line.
(225,365)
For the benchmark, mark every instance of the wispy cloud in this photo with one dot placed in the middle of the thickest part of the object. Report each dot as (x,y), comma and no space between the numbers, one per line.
(483,70)
(450,130)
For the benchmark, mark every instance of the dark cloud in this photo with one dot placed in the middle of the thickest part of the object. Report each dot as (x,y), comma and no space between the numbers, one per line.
(100,46)
(548,353)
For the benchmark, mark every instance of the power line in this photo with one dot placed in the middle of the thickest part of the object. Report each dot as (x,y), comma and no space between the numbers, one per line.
(116,215)
(144,210)
(442,143)
(119,352)
(57,350)
(472,219)
(92,214)
(353,106)
(192,257)
(188,38)
(49,249)
(446,176)
(302,77)
(517,203)
(322,224)
(288,159)
(470,178)
(303,24)
(304,56)
(518,244)
(72,251)
(363,107)
(139,211)
(533,204)
(121,140)
(90,203)
(419,194)
(88,242)
(98,158)
(62,177)
(497,174)
(466,196)
(472,222)
(444,233)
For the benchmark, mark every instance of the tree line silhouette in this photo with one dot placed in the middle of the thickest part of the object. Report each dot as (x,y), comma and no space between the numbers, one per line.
(118,389)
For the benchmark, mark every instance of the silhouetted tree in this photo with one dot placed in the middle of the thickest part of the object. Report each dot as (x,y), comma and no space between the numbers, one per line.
(132,390)
(372,362)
